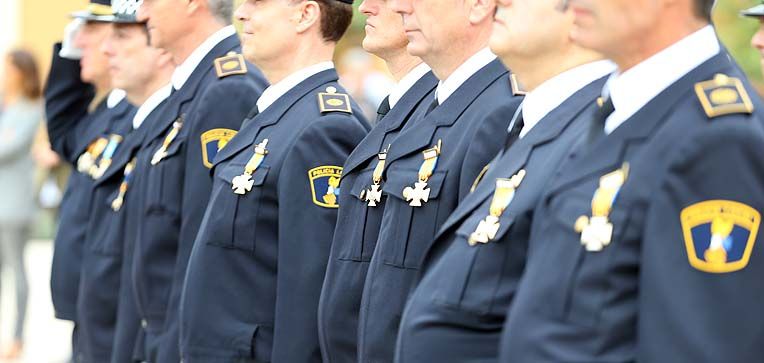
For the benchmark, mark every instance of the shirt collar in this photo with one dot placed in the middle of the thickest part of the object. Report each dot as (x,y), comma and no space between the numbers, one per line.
(115,97)
(554,91)
(466,70)
(184,70)
(275,91)
(150,104)
(406,83)
(633,89)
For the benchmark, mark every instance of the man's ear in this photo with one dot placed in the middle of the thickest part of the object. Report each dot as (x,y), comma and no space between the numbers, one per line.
(480,10)
(309,15)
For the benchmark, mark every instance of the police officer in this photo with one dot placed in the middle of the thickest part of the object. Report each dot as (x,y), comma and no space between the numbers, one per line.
(432,164)
(361,199)
(106,307)
(213,88)
(255,273)
(457,311)
(757,41)
(82,113)
(646,244)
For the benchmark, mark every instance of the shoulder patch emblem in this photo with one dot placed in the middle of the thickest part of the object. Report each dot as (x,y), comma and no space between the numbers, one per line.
(231,64)
(325,185)
(719,235)
(212,142)
(723,95)
(331,101)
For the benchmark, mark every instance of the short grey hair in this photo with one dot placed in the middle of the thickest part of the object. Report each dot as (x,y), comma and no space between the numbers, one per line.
(222,10)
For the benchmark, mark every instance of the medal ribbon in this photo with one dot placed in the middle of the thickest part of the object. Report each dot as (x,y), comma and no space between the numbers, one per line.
(256,159)
(430,162)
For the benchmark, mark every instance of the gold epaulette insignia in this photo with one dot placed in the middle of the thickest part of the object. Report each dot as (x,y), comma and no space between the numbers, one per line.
(231,64)
(723,95)
(331,101)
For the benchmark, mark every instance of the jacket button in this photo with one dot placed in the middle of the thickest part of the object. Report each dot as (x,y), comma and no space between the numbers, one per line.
(144,323)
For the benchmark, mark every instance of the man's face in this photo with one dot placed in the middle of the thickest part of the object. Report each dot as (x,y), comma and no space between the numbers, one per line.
(165,21)
(758,41)
(431,25)
(608,26)
(94,64)
(132,61)
(267,28)
(384,28)
(528,28)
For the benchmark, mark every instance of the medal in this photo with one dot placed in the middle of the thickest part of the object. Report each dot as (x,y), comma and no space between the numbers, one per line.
(161,153)
(116,204)
(597,231)
(98,171)
(420,193)
(374,194)
(244,183)
(502,196)
(88,158)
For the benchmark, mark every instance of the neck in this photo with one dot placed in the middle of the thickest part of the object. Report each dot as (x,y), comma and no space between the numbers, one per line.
(275,70)
(102,86)
(444,64)
(400,63)
(139,96)
(651,43)
(535,70)
(201,30)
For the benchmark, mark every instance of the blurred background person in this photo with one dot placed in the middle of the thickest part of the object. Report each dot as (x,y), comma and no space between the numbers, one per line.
(22,112)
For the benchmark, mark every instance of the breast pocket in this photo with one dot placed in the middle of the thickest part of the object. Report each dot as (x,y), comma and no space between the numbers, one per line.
(407,233)
(231,219)
(587,275)
(164,186)
(358,223)
(478,278)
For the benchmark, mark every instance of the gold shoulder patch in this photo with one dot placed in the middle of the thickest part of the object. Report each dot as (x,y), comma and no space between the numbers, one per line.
(212,142)
(231,64)
(723,95)
(719,235)
(325,185)
(331,101)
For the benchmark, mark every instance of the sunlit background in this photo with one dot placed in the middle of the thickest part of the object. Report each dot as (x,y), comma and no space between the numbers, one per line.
(36,24)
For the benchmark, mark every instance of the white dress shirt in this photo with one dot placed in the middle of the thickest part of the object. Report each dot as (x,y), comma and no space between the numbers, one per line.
(115,97)
(448,86)
(184,70)
(150,104)
(406,83)
(553,92)
(633,89)
(275,91)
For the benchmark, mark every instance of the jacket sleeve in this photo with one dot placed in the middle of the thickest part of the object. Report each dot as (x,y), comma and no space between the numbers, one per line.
(223,105)
(67,99)
(305,233)
(697,303)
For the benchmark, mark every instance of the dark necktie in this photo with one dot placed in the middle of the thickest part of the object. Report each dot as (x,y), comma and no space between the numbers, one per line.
(597,127)
(514,133)
(383,109)
(432,106)
(250,116)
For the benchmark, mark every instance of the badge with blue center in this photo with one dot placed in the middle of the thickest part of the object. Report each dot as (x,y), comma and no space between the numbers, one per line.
(325,185)
(212,142)
(719,235)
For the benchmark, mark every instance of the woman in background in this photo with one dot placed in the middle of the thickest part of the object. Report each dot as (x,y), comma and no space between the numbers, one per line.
(21,115)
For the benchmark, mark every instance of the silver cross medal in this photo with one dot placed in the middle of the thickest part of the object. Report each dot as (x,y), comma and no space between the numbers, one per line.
(418,194)
(243,184)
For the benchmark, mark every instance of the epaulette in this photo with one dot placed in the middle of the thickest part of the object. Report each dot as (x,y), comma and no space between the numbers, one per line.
(331,101)
(517,89)
(230,64)
(723,95)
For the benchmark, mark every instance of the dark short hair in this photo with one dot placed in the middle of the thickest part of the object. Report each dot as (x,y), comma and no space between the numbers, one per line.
(27,66)
(335,19)
(703,8)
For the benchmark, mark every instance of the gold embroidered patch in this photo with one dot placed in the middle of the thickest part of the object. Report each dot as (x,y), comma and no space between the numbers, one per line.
(212,142)
(231,64)
(723,95)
